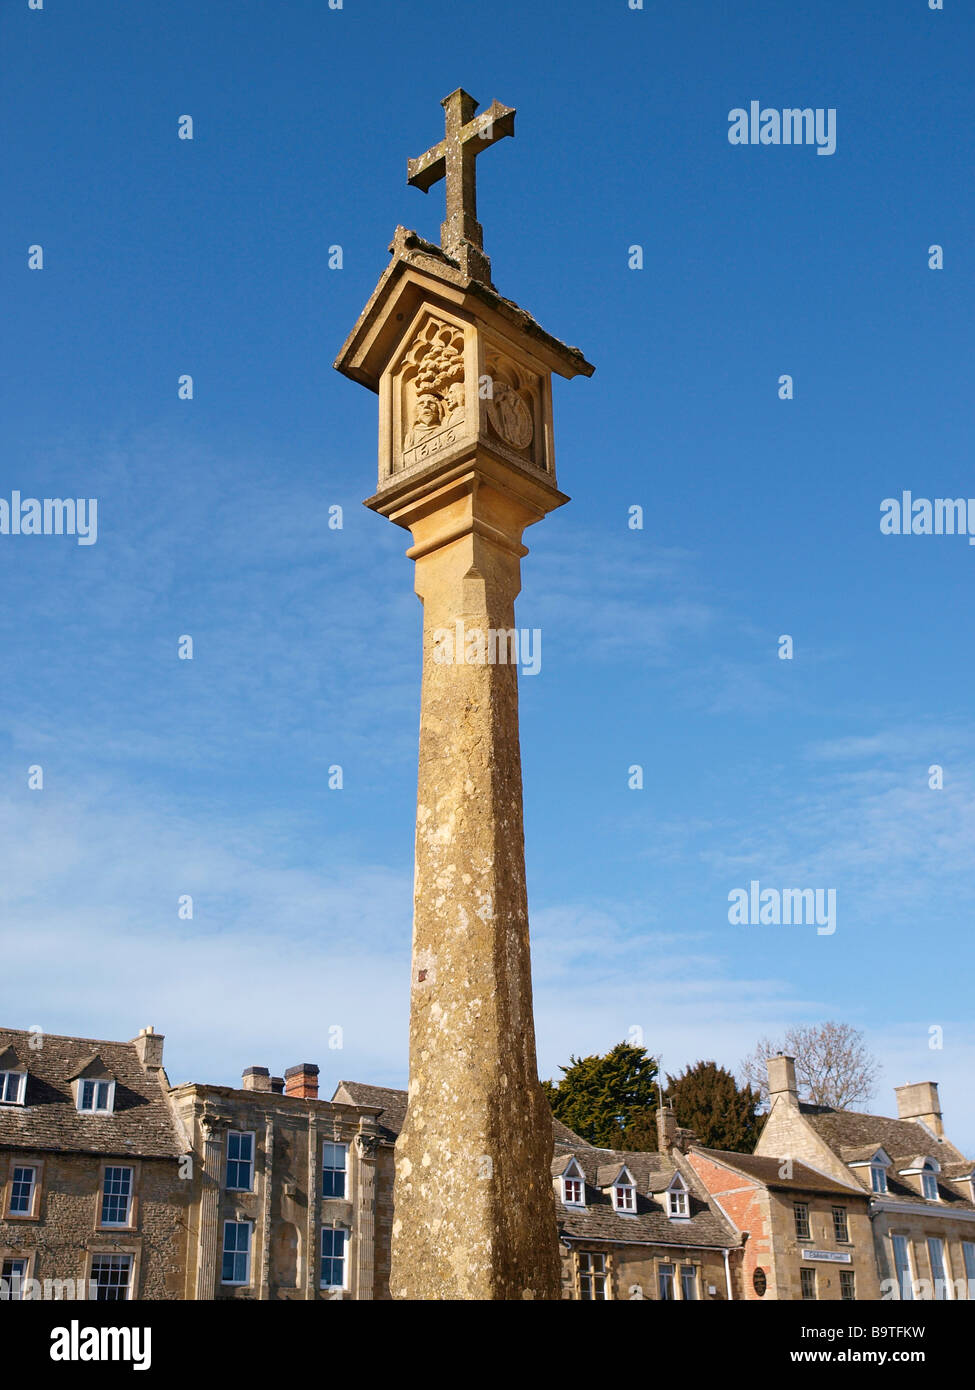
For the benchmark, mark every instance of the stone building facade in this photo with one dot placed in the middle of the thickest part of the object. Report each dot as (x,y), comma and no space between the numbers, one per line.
(92,1200)
(291,1195)
(641,1225)
(114,1185)
(804,1235)
(919,1186)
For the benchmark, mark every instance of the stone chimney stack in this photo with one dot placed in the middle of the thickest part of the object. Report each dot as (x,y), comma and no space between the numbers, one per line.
(666,1129)
(256,1079)
(302,1081)
(782,1081)
(921,1102)
(149,1047)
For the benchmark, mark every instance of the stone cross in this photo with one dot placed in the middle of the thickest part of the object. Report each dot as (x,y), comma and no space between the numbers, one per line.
(466,464)
(461,235)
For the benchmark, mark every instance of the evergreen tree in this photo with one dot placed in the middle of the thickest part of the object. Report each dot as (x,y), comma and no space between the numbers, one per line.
(600,1098)
(707,1100)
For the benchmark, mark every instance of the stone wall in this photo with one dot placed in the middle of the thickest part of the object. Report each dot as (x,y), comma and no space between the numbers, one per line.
(64,1231)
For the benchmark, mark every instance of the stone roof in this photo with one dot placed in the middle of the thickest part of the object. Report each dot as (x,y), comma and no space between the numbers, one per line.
(141,1124)
(393,1105)
(649,1224)
(391,1102)
(767,1172)
(853,1135)
(411,252)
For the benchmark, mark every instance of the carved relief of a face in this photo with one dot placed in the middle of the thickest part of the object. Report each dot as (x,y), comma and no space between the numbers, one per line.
(427,410)
(455,396)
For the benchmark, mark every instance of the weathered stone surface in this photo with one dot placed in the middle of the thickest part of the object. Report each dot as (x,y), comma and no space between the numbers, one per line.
(473,1203)
(466,463)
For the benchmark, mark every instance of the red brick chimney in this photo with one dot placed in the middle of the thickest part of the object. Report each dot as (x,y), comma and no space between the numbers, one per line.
(302,1081)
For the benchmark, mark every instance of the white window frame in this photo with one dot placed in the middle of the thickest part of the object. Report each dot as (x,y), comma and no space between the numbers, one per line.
(667,1270)
(5,1086)
(110,1256)
(678,1200)
(908,1296)
(22,1168)
(104,1194)
(575,1197)
(336,1227)
(96,1109)
(240,1134)
(342,1196)
(249,1227)
(929,1180)
(695,1273)
(573,1174)
(968,1261)
(878,1179)
(10,1295)
(805,1234)
(942,1276)
(624,1198)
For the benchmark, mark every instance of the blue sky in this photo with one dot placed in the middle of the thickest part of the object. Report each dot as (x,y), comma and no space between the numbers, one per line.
(165,777)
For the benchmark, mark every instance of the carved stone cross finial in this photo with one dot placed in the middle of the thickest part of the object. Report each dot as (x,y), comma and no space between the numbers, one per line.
(452,159)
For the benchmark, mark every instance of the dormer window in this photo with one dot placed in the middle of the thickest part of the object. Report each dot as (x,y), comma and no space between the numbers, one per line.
(94,1087)
(13,1084)
(927,1169)
(573,1186)
(678,1204)
(624,1191)
(624,1196)
(878,1178)
(96,1097)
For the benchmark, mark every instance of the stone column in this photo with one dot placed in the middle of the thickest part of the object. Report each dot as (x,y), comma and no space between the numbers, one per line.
(312,1237)
(208,1248)
(473,1202)
(466,462)
(267,1178)
(363,1233)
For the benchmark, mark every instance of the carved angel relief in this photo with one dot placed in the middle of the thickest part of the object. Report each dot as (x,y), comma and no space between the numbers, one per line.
(434,396)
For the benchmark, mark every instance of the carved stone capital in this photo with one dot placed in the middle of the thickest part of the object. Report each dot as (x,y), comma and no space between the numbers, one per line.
(366,1145)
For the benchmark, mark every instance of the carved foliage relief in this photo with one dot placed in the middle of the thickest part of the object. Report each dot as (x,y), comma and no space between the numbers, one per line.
(433,400)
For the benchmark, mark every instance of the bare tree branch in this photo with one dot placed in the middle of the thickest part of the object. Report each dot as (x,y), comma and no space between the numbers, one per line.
(833,1065)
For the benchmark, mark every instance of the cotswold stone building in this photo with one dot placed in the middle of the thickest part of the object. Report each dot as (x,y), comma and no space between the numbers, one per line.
(804,1235)
(918,1185)
(114,1186)
(641,1225)
(92,1200)
(291,1195)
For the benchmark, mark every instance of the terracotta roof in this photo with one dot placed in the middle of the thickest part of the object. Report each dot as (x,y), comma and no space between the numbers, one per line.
(393,1104)
(140,1126)
(767,1171)
(650,1224)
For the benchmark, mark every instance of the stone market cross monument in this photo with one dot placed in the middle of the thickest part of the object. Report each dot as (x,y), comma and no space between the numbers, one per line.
(466,462)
